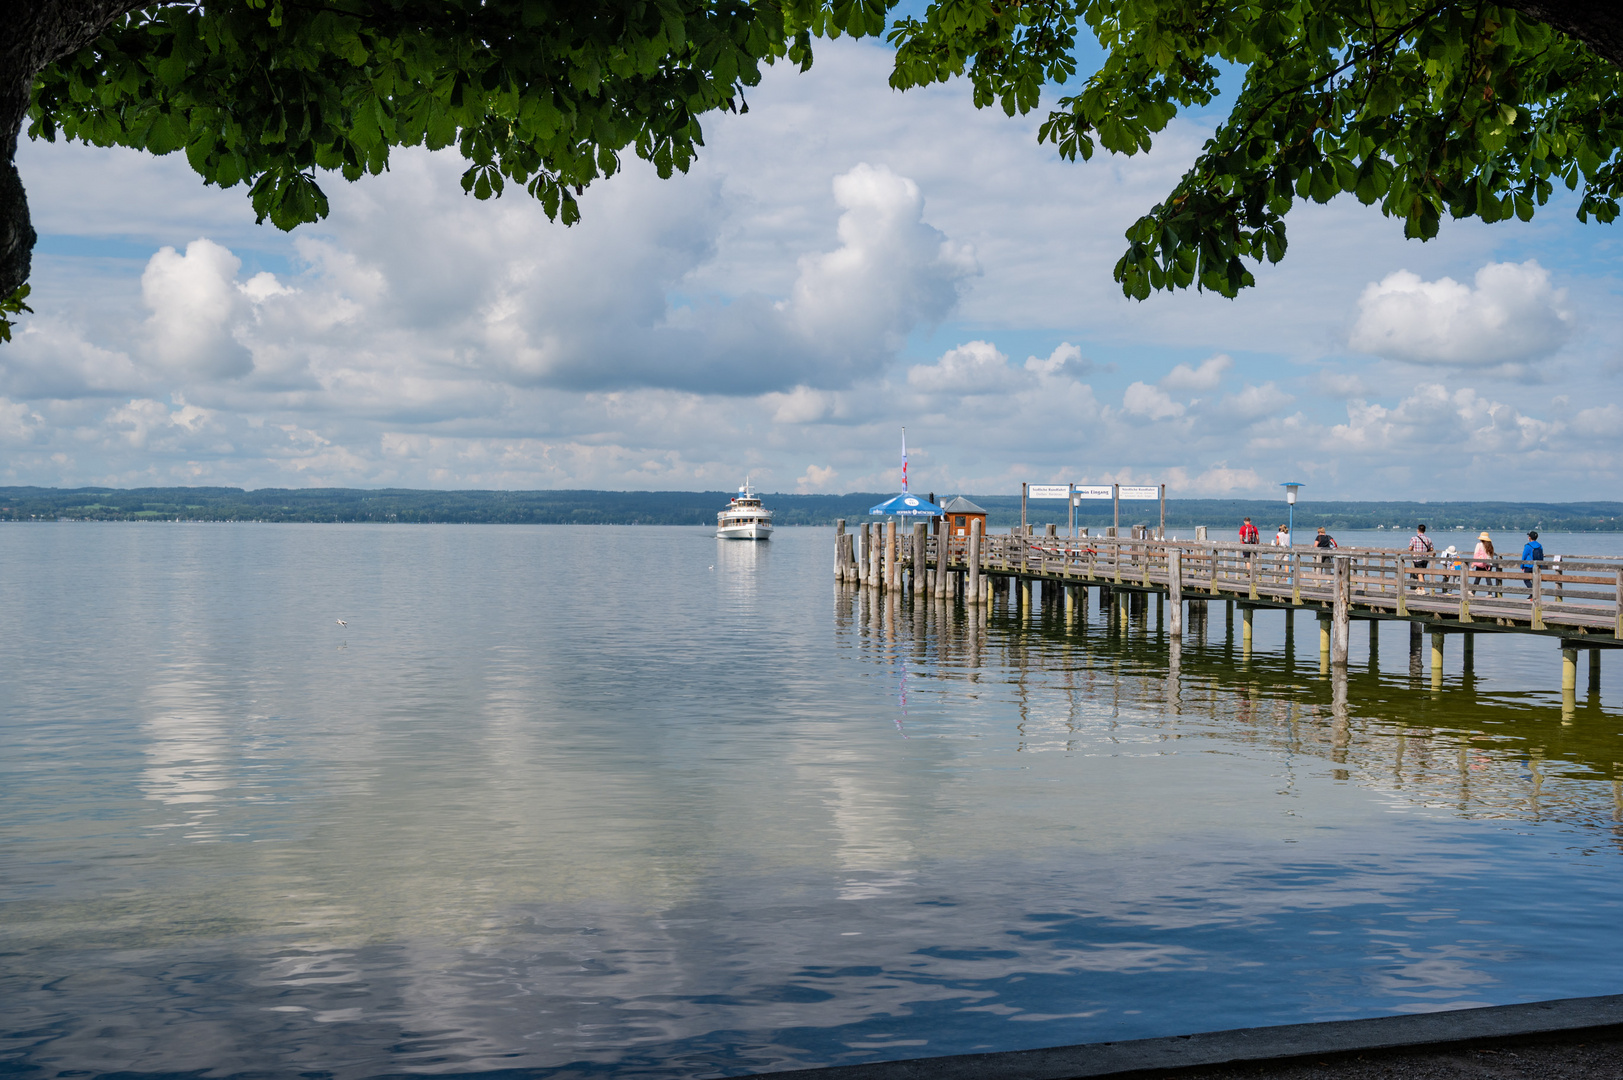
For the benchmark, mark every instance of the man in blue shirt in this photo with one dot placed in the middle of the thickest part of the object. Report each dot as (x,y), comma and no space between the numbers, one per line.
(1532,552)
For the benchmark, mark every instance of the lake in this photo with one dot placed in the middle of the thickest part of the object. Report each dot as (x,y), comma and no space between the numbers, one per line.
(624,802)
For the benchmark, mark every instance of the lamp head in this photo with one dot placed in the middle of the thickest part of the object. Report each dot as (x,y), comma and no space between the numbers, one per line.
(1290,492)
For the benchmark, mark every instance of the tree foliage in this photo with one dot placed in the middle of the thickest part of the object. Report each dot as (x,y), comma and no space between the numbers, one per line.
(1424,109)
(1453,107)
(545,94)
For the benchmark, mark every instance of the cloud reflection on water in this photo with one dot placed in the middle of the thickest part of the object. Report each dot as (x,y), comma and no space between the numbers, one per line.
(659,819)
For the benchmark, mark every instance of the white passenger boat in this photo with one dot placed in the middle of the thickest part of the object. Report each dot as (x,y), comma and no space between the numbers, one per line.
(745,518)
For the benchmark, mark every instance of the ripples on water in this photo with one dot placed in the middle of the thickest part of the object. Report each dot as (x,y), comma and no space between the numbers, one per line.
(635,801)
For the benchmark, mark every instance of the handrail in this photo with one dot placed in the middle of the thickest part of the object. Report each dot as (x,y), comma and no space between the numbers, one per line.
(1581,593)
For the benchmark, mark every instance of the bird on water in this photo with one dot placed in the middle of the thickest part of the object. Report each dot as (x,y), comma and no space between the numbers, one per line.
(341,622)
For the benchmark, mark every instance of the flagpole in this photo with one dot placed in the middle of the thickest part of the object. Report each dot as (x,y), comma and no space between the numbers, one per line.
(904,461)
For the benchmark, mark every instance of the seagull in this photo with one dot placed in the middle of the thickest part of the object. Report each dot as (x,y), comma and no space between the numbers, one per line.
(712,566)
(341,622)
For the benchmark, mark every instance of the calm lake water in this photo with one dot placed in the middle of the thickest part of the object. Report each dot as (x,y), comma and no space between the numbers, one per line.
(630,802)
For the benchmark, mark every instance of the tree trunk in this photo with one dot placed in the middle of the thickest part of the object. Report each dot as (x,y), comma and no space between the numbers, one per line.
(36,33)
(1596,23)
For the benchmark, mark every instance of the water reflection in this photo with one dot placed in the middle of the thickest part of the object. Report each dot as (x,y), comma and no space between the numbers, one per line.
(694,813)
(1482,753)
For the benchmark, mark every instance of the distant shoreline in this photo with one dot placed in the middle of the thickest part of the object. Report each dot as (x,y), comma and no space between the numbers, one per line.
(586,507)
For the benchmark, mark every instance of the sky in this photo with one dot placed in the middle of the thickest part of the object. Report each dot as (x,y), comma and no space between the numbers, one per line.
(843,261)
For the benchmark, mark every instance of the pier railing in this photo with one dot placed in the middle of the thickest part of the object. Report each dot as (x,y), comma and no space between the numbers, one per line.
(1580,595)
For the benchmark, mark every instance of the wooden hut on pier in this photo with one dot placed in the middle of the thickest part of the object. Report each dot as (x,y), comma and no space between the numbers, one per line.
(961,515)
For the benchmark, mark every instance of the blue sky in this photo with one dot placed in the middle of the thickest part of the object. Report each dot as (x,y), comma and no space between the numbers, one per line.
(843,260)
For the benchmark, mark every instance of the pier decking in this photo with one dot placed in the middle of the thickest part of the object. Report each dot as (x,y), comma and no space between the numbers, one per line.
(1578,601)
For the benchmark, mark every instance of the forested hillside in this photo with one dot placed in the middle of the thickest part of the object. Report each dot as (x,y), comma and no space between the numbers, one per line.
(699,508)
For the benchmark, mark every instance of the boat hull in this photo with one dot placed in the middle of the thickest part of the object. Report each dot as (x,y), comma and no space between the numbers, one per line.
(754,530)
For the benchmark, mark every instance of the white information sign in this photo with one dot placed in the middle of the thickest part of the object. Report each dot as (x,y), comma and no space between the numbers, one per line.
(1094,492)
(1148,492)
(1049,491)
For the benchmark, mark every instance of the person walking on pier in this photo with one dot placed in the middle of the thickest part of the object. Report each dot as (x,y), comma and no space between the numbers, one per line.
(1282,538)
(1532,553)
(1484,556)
(1324,542)
(1421,544)
(1249,535)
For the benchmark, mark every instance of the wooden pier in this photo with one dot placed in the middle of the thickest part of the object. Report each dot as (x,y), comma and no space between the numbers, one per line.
(1577,601)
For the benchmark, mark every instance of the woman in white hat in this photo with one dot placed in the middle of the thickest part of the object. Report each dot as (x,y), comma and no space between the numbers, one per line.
(1484,556)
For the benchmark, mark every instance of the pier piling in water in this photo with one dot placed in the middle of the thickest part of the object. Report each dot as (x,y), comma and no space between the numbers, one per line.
(1579,602)
(1341,611)
(920,542)
(972,585)
(893,565)
(1175,592)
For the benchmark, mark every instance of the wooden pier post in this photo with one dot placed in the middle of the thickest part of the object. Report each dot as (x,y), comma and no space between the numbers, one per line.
(839,550)
(1468,653)
(864,556)
(1437,655)
(893,565)
(1594,671)
(1175,593)
(973,586)
(1324,633)
(876,565)
(875,552)
(1569,669)
(921,576)
(1341,615)
(1246,614)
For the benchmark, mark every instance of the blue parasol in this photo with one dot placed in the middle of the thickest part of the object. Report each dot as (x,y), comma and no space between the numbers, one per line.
(908,506)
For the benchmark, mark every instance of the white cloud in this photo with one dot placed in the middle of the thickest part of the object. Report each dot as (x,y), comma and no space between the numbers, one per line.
(1223,480)
(816,478)
(975,367)
(1254,403)
(1433,417)
(1511,316)
(1603,422)
(1066,359)
(195,300)
(19,424)
(803,405)
(145,423)
(50,358)
(1150,402)
(1184,379)
(891,273)
(1337,384)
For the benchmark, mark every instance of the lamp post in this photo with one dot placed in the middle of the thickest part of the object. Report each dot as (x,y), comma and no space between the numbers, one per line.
(1291,487)
(1290,502)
